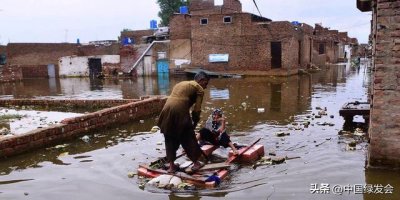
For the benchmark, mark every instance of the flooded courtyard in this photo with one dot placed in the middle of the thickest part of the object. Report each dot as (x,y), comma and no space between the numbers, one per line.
(96,165)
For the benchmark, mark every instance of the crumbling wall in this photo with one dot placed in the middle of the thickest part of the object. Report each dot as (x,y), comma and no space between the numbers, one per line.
(136,36)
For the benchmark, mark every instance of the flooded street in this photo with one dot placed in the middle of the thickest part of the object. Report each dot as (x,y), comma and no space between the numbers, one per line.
(96,166)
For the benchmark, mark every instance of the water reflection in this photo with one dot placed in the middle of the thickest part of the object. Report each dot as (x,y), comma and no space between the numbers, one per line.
(286,101)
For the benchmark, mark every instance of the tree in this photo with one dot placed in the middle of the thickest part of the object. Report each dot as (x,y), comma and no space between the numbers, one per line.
(168,8)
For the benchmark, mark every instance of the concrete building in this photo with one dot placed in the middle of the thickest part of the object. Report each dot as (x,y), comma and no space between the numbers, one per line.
(384,130)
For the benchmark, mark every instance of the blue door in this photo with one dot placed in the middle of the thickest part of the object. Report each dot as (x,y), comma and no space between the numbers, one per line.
(162,66)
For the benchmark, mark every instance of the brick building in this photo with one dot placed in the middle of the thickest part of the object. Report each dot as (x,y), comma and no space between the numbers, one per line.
(384,130)
(44,59)
(223,38)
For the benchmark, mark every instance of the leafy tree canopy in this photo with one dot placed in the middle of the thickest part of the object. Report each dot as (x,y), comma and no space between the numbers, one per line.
(168,8)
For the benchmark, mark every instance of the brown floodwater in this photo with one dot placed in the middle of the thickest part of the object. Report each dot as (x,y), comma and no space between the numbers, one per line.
(96,166)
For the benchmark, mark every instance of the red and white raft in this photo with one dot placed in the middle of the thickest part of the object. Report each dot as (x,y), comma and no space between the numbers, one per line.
(248,154)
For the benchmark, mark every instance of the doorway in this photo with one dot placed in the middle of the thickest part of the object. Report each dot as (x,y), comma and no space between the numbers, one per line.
(276,55)
(95,68)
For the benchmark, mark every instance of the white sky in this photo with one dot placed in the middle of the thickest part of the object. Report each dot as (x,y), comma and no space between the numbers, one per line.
(88,20)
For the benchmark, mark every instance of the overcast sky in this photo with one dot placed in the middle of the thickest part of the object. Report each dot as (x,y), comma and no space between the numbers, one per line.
(89,20)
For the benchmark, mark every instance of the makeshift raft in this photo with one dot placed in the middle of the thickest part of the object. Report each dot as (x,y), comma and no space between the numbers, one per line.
(247,154)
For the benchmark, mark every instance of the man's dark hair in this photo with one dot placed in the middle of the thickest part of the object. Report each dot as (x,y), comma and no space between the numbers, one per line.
(201,76)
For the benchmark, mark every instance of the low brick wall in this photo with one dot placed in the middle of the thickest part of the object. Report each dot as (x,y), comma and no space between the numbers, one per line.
(10,73)
(73,127)
(88,104)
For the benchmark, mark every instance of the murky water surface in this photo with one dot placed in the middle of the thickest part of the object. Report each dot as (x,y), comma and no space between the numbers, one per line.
(96,166)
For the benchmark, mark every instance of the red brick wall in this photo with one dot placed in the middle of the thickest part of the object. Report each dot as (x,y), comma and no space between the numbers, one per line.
(10,73)
(94,50)
(196,5)
(232,6)
(34,71)
(136,35)
(66,103)
(128,57)
(180,27)
(246,42)
(384,127)
(38,53)
(207,7)
(73,127)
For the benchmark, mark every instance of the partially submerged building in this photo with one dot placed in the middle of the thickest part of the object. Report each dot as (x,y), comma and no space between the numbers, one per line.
(384,129)
(223,38)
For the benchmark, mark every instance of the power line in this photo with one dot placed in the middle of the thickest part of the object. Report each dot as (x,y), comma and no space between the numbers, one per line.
(257,7)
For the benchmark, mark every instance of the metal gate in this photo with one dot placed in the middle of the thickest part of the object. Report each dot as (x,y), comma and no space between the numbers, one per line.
(162,66)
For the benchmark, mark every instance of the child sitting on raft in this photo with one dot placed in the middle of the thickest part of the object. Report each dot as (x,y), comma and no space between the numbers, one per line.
(215,131)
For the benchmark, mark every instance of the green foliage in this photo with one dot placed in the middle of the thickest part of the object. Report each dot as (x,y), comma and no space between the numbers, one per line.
(168,8)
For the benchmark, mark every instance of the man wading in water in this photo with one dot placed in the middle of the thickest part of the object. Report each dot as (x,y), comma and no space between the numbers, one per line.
(176,123)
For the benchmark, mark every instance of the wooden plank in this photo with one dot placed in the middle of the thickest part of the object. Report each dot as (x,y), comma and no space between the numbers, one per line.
(214,166)
(178,174)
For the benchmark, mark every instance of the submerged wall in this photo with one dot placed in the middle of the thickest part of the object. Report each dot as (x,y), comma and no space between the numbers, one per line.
(73,127)
(72,66)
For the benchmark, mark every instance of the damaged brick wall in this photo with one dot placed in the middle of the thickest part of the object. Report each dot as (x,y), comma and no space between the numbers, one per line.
(136,35)
(128,57)
(94,50)
(384,130)
(10,73)
(73,127)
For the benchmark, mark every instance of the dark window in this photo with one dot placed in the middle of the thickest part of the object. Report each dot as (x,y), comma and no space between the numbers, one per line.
(204,21)
(227,19)
(321,48)
(299,53)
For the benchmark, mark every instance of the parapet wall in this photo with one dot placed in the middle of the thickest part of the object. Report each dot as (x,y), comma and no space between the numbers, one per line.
(73,127)
(69,103)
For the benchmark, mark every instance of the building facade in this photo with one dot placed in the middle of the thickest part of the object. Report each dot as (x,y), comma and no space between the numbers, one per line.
(384,130)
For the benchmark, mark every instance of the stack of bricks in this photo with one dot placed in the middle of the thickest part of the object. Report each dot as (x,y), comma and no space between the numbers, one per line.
(10,73)
(385,114)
